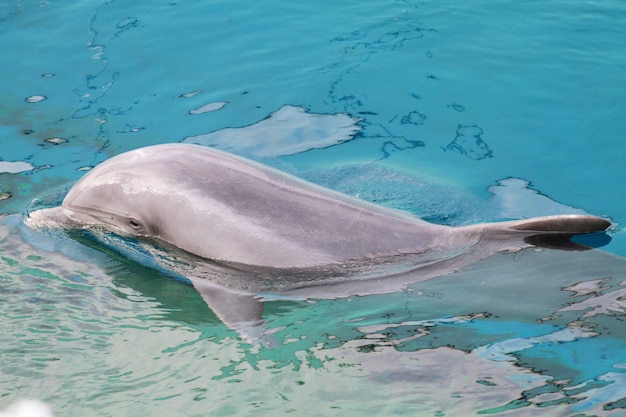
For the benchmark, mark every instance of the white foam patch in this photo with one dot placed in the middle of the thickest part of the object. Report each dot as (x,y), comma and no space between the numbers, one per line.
(287,131)
(35,99)
(28,408)
(515,200)
(15,167)
(207,108)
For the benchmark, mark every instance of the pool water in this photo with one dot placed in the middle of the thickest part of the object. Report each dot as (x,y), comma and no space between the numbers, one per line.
(459,113)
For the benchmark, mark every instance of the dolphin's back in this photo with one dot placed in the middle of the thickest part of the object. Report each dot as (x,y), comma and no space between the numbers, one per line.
(220,206)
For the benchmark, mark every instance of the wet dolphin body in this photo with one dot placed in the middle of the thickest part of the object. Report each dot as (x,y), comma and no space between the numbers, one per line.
(251,230)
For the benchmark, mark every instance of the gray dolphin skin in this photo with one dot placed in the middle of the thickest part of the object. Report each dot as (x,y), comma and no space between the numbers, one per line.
(248,231)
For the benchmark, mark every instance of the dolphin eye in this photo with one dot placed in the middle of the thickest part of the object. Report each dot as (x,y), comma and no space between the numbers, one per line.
(135,224)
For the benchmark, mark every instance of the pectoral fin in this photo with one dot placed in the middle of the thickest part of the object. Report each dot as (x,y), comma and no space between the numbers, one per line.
(239,311)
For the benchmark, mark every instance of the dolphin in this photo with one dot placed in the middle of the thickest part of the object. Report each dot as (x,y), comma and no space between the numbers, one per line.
(242,232)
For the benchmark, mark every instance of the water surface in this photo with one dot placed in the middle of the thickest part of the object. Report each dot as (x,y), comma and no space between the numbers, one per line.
(459,113)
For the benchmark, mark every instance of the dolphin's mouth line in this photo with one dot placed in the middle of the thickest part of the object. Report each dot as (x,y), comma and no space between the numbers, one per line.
(93,213)
(74,218)
(86,220)
(107,220)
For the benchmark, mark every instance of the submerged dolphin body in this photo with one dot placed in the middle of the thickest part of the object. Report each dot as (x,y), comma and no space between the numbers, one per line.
(248,231)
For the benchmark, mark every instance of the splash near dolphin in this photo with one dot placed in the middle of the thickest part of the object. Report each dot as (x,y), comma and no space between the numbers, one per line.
(248,232)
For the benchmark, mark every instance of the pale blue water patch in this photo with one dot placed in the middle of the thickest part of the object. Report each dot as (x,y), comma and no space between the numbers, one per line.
(287,131)
(457,112)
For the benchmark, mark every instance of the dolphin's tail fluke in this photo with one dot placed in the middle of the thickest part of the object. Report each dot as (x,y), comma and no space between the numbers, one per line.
(571,224)
(551,231)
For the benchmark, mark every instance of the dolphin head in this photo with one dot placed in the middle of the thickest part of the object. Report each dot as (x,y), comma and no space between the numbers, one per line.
(115,196)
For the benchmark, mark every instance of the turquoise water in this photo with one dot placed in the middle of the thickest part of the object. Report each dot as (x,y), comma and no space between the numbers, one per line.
(459,113)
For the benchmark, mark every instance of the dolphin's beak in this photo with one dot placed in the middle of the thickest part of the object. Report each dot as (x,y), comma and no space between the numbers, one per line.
(55,218)
(50,218)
